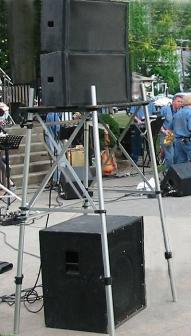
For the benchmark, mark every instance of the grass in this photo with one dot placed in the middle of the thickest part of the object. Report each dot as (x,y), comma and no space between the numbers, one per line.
(121,118)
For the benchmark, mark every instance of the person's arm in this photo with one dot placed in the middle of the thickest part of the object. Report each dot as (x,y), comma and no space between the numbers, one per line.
(165,131)
(163,113)
(139,121)
(134,110)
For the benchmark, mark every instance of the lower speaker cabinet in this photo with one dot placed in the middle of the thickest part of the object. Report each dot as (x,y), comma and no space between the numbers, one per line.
(73,274)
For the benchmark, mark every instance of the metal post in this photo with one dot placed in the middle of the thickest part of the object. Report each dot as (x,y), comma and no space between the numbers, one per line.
(86,152)
(168,253)
(19,276)
(105,251)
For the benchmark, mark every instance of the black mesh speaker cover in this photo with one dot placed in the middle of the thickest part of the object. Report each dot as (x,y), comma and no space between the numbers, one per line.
(84,43)
(73,273)
(66,79)
(80,25)
(179,178)
(22,24)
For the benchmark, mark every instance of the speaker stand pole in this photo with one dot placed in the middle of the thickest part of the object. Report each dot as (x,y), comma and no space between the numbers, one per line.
(168,253)
(101,211)
(86,159)
(19,276)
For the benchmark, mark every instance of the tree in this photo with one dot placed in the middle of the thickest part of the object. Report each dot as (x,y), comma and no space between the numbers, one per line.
(188,76)
(154,30)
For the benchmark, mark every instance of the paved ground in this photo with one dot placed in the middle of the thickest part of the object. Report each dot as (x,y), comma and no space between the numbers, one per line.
(161,316)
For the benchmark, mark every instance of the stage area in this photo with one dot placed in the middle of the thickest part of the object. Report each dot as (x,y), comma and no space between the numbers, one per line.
(161,316)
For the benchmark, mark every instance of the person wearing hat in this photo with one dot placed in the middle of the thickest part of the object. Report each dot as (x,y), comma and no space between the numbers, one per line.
(182,132)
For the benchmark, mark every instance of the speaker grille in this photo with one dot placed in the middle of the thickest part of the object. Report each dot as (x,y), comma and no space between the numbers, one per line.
(84,43)
(79,25)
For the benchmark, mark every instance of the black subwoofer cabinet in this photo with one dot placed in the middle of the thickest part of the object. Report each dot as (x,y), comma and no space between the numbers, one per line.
(73,273)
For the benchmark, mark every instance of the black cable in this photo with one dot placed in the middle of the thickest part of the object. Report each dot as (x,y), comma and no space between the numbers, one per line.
(29,295)
(32,293)
(16,249)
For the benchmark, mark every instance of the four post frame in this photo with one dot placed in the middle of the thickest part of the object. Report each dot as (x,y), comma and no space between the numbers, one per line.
(28,207)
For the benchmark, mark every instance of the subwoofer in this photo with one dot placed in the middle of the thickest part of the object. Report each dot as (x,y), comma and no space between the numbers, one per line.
(178,179)
(73,273)
(66,190)
(84,43)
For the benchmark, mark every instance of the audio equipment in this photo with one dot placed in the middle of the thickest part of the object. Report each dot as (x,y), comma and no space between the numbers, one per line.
(66,132)
(84,43)
(22,43)
(73,272)
(177,180)
(83,25)
(66,190)
(5,266)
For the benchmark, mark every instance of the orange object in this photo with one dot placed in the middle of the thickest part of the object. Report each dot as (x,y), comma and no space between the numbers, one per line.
(168,140)
(109,164)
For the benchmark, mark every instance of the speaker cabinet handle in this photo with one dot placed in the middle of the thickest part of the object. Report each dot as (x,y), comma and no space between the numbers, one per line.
(72,263)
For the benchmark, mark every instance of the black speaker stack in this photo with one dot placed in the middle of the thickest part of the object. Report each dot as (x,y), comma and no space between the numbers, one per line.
(73,272)
(84,43)
(177,181)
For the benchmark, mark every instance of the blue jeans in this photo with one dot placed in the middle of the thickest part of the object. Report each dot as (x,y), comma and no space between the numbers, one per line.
(136,144)
(182,151)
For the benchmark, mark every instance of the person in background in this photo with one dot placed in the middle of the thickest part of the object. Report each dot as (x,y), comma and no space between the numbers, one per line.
(3,167)
(182,132)
(166,134)
(139,119)
(54,129)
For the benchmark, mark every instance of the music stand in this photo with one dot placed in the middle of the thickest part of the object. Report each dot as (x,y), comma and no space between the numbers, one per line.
(8,142)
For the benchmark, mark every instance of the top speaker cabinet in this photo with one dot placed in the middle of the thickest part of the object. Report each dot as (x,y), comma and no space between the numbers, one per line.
(84,43)
(79,25)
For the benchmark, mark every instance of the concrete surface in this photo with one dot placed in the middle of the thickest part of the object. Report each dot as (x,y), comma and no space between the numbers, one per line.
(161,316)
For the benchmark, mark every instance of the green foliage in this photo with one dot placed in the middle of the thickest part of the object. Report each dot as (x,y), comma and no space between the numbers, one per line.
(155,27)
(113,125)
(4,54)
(122,119)
(188,76)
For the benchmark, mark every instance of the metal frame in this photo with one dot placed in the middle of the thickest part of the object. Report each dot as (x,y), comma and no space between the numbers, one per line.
(26,208)
(156,191)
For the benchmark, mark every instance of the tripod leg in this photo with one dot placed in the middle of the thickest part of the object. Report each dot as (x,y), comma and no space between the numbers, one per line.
(7,174)
(86,158)
(104,239)
(168,253)
(19,276)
